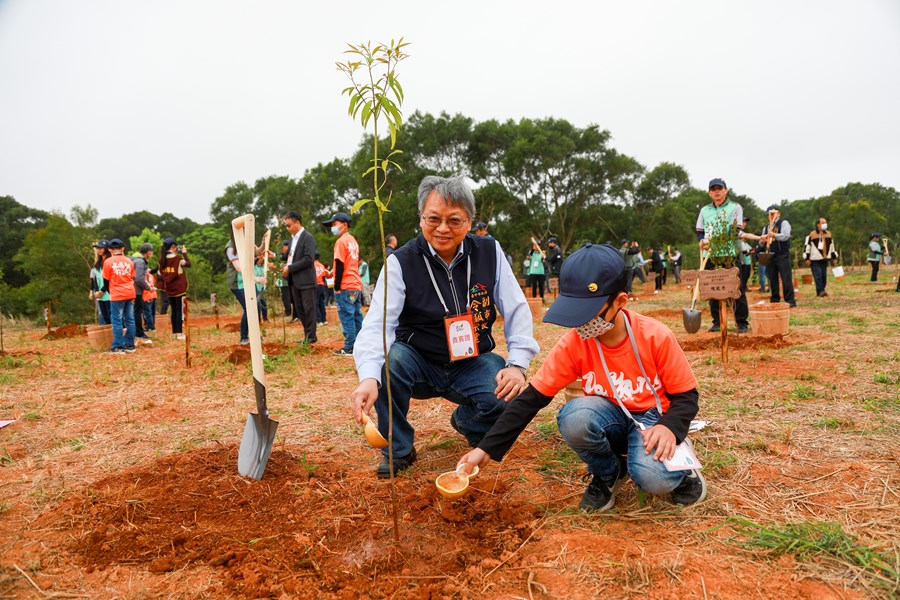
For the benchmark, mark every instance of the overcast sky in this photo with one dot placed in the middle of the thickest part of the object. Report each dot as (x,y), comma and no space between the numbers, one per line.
(161,105)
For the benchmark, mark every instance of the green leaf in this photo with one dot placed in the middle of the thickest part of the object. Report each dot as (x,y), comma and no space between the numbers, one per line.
(393,135)
(366,111)
(360,203)
(380,205)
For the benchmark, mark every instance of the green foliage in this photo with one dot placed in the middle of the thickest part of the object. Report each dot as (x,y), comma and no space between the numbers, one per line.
(16,221)
(147,236)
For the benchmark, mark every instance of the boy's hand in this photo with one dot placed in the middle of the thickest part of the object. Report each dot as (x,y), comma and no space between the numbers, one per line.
(476,457)
(661,438)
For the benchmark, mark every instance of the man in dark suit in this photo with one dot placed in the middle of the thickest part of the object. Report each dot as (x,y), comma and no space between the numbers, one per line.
(300,272)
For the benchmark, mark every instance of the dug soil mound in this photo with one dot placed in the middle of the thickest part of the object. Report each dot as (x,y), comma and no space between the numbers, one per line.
(305,526)
(68,330)
(737,342)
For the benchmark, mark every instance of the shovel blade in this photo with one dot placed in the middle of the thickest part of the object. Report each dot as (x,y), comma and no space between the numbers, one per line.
(691,320)
(256,445)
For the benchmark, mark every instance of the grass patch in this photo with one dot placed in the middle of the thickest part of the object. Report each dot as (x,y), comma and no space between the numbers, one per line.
(560,461)
(888,378)
(803,392)
(308,466)
(757,444)
(719,460)
(835,423)
(811,541)
(547,430)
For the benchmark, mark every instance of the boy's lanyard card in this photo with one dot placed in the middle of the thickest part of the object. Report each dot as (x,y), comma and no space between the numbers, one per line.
(684,459)
(461,336)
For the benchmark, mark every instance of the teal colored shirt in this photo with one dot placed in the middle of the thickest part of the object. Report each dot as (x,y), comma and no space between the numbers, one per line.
(537,264)
(714,221)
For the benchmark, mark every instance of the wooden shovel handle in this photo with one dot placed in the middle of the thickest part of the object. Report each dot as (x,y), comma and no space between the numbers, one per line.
(243,229)
(704,256)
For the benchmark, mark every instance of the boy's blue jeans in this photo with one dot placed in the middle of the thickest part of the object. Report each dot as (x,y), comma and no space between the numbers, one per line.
(350,313)
(122,315)
(470,383)
(599,431)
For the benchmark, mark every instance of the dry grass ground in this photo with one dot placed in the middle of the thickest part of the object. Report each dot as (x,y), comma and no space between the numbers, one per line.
(118,478)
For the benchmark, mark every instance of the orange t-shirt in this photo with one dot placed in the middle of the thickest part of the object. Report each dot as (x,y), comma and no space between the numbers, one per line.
(346,250)
(662,357)
(320,273)
(119,269)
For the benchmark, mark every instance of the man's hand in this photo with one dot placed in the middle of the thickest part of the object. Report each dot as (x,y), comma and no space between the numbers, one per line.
(662,439)
(808,262)
(704,244)
(284,271)
(475,458)
(510,383)
(363,398)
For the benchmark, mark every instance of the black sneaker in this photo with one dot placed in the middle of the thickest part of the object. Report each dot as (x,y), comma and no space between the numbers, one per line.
(743,329)
(714,329)
(599,495)
(691,490)
(401,463)
(473,440)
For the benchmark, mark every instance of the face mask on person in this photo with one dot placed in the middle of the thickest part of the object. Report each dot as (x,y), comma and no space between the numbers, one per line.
(335,230)
(595,327)
(824,226)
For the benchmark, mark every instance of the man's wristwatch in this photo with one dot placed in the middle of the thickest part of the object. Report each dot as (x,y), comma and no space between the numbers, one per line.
(521,370)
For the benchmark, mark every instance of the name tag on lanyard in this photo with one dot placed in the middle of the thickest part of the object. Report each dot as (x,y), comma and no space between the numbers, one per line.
(461,342)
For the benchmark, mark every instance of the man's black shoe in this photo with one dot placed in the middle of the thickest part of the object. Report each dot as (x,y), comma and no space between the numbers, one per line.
(743,329)
(473,440)
(401,463)
(714,329)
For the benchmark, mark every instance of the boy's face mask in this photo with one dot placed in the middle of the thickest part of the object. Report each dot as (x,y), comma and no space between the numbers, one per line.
(596,326)
(335,230)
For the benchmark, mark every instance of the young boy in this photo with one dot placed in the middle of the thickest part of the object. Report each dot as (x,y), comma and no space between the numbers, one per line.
(601,350)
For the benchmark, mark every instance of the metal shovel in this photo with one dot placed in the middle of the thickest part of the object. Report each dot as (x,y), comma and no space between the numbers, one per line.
(689,316)
(259,432)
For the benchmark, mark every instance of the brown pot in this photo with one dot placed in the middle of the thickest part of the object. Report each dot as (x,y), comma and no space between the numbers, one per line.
(100,337)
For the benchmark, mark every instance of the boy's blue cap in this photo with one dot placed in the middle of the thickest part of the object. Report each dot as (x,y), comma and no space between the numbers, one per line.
(115,243)
(340,216)
(586,280)
(717,181)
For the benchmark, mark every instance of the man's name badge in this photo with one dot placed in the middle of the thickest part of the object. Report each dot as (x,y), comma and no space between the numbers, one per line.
(461,336)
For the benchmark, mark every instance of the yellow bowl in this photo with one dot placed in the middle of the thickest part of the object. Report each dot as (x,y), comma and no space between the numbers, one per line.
(452,484)
(373,436)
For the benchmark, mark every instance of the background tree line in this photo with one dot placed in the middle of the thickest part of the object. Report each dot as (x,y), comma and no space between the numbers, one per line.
(534,177)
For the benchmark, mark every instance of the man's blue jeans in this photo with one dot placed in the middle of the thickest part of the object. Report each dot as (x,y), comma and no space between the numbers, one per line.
(470,383)
(122,315)
(599,432)
(350,313)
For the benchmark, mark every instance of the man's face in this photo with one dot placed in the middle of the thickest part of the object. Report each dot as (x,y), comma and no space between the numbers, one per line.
(718,193)
(442,237)
(773,215)
(292,226)
(551,244)
(481,232)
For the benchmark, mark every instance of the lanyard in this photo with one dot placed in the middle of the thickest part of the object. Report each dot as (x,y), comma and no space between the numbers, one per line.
(612,386)
(436,289)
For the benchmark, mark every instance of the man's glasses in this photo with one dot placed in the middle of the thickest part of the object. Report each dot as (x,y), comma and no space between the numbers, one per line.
(452,222)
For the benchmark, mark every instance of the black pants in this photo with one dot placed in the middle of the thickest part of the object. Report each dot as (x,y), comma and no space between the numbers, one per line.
(640,274)
(741,312)
(320,303)
(163,302)
(305,303)
(536,282)
(874,264)
(176,318)
(139,315)
(819,270)
(657,285)
(745,277)
(629,279)
(780,268)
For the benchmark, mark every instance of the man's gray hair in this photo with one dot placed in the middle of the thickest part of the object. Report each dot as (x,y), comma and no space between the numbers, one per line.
(453,190)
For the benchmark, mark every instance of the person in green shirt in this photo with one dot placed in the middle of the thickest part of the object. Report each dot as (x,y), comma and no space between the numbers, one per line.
(535,270)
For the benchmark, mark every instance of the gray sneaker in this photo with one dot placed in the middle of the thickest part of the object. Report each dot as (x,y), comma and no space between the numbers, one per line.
(600,496)
(691,490)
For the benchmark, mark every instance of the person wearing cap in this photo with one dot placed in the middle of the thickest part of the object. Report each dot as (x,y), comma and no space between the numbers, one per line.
(716,220)
(818,251)
(99,291)
(118,276)
(173,260)
(640,393)
(300,270)
(444,280)
(656,266)
(141,268)
(876,252)
(776,235)
(481,228)
(554,257)
(534,269)
(347,282)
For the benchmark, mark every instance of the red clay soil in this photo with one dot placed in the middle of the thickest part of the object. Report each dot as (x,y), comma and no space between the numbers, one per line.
(737,342)
(68,330)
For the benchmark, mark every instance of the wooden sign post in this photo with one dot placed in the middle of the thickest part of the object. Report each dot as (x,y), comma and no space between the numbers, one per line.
(187,332)
(215,304)
(722,285)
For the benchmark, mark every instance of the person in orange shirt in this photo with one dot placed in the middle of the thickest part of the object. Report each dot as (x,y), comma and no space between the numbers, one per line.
(347,283)
(640,393)
(118,277)
(321,272)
